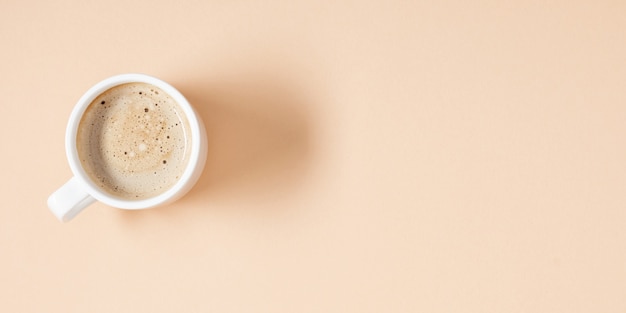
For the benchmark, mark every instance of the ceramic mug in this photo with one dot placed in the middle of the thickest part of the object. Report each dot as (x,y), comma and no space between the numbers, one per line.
(81,190)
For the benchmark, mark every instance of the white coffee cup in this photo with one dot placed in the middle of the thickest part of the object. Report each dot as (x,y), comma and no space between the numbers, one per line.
(81,191)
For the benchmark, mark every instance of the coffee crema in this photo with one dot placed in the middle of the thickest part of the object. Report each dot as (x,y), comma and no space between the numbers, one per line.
(133,141)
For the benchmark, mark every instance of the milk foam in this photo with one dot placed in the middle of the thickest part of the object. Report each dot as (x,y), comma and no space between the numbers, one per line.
(133,141)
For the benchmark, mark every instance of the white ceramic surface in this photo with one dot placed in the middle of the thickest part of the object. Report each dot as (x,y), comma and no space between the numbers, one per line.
(80,191)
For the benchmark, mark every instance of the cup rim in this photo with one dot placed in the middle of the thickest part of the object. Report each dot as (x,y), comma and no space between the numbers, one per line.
(171,194)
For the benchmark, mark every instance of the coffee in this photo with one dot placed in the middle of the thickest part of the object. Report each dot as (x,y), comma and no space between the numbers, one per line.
(133,141)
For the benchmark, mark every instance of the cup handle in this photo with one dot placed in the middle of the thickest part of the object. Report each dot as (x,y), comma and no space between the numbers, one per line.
(69,200)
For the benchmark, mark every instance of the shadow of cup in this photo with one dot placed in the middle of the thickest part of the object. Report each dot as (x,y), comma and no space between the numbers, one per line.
(259,139)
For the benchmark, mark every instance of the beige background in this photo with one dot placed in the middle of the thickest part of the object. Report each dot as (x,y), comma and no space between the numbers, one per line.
(365,156)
